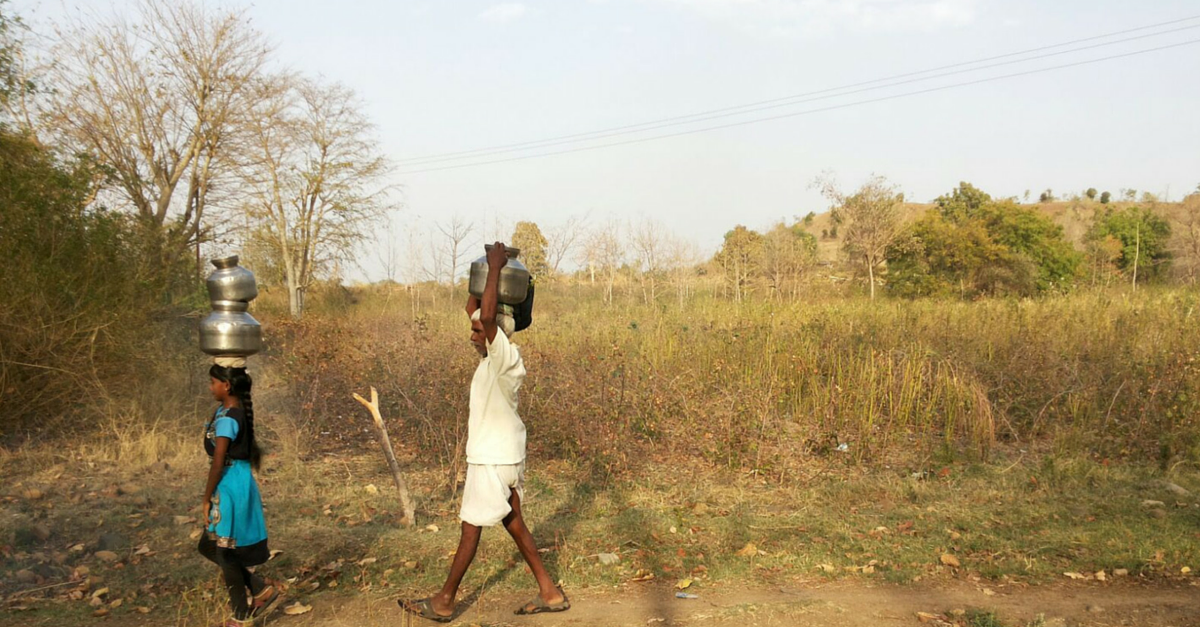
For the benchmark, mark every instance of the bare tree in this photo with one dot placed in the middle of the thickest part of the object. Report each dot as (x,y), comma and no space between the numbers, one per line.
(315,184)
(387,250)
(562,240)
(158,102)
(872,218)
(682,258)
(415,271)
(605,253)
(499,228)
(453,249)
(587,256)
(649,241)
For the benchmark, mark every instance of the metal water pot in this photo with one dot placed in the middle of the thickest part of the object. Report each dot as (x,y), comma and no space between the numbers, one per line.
(231,281)
(514,278)
(229,331)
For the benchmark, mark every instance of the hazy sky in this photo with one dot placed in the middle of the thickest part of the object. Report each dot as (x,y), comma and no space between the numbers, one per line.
(439,77)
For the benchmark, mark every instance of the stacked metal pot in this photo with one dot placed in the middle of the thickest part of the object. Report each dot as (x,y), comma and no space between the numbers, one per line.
(229,331)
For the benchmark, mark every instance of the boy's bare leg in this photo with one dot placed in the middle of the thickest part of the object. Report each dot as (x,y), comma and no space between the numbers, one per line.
(443,601)
(515,524)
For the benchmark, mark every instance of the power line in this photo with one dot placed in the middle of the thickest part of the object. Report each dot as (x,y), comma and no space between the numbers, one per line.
(539,142)
(601,135)
(811,111)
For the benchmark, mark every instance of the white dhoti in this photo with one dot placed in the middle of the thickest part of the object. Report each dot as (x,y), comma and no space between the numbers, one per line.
(487,490)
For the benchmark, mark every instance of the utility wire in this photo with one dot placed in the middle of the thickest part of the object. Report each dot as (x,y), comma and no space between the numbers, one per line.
(537,143)
(548,144)
(811,111)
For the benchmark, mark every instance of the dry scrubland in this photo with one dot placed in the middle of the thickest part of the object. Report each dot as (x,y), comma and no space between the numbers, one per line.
(745,449)
(994,444)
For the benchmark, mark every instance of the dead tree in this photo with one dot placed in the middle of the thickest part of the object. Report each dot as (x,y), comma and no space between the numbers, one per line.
(385,442)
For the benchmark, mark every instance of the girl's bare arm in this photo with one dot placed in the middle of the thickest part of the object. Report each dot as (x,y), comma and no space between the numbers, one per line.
(214,473)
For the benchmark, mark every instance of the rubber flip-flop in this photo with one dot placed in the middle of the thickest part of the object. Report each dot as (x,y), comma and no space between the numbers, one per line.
(539,606)
(424,609)
(267,604)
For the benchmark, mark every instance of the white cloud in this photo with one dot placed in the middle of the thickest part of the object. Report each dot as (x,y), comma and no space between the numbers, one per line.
(504,12)
(813,17)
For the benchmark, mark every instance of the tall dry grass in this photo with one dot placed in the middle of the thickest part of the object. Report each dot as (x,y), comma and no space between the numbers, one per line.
(763,384)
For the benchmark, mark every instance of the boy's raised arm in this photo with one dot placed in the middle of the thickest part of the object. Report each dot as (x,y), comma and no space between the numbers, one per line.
(497,258)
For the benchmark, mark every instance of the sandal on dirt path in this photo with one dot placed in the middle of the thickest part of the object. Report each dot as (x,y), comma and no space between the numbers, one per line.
(422,608)
(265,601)
(537,606)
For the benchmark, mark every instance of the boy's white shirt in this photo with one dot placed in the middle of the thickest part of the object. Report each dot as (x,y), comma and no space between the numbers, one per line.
(495,433)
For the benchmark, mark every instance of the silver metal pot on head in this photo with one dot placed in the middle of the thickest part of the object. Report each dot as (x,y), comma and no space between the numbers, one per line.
(231,281)
(229,331)
(514,278)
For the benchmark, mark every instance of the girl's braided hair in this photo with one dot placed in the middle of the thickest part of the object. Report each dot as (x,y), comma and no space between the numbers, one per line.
(239,385)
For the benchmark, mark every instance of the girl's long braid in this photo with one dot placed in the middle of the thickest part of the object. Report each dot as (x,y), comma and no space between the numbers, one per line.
(240,385)
(248,408)
(243,384)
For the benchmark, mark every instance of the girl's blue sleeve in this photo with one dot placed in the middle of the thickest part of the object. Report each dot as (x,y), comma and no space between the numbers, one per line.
(226,427)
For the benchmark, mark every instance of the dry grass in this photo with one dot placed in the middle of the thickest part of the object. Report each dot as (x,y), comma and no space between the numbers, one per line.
(1021,519)
(750,386)
(1021,437)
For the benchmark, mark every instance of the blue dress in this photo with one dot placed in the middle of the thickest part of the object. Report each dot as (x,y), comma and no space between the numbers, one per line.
(236,522)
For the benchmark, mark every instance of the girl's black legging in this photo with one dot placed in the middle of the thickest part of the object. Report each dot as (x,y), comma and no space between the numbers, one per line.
(237,577)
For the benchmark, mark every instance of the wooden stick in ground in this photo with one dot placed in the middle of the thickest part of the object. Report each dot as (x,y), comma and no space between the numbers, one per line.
(381,434)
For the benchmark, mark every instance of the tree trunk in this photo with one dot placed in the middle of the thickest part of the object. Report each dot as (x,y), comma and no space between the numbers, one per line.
(871,277)
(295,297)
(737,283)
(1137,252)
(295,304)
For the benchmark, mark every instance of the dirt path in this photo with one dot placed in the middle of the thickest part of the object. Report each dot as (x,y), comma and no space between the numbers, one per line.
(848,604)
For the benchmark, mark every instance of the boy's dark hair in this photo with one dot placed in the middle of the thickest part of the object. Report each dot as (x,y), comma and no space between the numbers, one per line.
(239,385)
